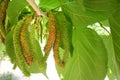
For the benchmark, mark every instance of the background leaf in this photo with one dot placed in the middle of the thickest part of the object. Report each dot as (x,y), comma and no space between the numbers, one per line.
(89,60)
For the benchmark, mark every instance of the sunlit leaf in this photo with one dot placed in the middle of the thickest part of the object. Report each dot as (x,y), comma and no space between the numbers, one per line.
(89,60)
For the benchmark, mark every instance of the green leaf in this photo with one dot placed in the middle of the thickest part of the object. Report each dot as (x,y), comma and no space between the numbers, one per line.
(115,30)
(89,11)
(51,4)
(89,61)
(14,9)
(100,9)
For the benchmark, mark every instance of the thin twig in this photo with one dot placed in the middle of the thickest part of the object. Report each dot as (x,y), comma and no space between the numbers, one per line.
(35,7)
